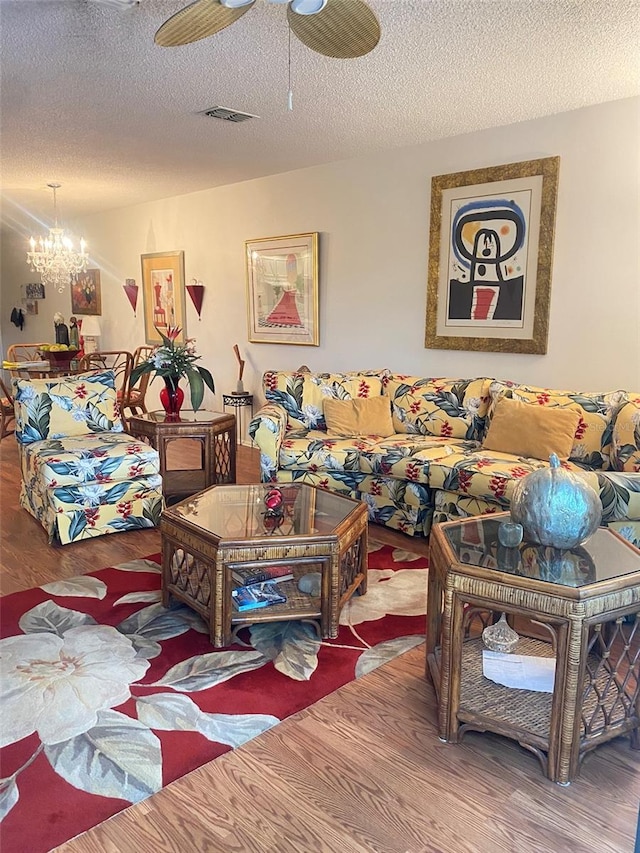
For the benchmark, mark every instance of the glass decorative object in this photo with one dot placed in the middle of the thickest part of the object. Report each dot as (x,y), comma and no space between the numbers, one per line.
(172,398)
(500,637)
(510,534)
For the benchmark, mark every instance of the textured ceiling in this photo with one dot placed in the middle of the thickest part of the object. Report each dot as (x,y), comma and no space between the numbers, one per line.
(88,100)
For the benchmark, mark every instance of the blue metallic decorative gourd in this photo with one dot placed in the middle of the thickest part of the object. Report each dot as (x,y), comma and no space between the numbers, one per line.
(556,507)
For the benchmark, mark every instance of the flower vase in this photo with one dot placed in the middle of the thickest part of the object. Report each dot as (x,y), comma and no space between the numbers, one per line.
(172,398)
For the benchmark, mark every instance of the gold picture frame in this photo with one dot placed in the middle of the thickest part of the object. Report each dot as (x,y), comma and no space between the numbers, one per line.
(282,289)
(163,295)
(490,258)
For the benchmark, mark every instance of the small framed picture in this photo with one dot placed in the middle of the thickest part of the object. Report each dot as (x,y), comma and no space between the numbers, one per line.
(30,306)
(33,291)
(85,293)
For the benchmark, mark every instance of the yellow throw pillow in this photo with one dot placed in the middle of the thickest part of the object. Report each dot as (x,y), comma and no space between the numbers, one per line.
(360,416)
(526,429)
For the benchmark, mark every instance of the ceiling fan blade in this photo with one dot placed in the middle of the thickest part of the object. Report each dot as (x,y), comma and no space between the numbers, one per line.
(197,21)
(344,29)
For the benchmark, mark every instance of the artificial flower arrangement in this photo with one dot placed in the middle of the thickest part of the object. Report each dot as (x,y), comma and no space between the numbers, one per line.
(173,361)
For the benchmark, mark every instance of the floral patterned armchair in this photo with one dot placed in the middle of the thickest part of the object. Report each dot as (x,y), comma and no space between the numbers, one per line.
(82,475)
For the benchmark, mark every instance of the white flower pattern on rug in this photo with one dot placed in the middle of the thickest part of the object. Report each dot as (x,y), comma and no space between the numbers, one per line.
(399,593)
(56,685)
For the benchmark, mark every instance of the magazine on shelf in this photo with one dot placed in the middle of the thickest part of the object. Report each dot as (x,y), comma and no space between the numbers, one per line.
(246,575)
(256,595)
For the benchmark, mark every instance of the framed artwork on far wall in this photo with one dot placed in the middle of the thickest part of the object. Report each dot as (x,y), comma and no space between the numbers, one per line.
(490,258)
(85,293)
(33,291)
(163,295)
(282,289)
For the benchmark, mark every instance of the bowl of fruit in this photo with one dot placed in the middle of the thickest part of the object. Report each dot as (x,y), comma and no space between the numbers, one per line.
(58,355)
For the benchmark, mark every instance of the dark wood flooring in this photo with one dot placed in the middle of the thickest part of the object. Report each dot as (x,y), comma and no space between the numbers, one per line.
(361,771)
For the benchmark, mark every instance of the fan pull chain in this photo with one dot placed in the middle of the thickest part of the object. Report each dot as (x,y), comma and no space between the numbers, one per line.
(290,101)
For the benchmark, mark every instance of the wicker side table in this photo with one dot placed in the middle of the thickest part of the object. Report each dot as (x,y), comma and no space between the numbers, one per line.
(591,621)
(215,433)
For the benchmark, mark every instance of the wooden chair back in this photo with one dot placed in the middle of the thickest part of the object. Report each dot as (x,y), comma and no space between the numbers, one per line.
(7,413)
(133,400)
(120,361)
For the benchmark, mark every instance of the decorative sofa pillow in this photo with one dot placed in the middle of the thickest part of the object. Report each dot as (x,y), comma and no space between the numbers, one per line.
(66,406)
(592,441)
(370,416)
(531,431)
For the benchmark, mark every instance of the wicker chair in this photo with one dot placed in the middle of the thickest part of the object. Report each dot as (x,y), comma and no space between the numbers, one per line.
(133,399)
(7,413)
(23,352)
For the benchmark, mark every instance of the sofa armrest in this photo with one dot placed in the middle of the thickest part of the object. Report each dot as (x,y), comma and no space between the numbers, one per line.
(267,429)
(620,495)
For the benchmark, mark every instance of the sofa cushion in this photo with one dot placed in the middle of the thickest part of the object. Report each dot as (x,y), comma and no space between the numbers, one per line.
(366,416)
(66,406)
(315,450)
(403,457)
(490,475)
(592,441)
(625,450)
(451,408)
(104,458)
(302,394)
(532,431)
(407,457)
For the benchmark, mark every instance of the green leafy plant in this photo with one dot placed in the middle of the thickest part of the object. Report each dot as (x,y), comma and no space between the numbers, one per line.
(173,361)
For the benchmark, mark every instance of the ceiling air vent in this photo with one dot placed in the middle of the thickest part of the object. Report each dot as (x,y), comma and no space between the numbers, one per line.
(227,115)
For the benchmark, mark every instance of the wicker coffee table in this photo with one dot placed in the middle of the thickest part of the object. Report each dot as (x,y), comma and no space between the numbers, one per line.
(585,604)
(224,528)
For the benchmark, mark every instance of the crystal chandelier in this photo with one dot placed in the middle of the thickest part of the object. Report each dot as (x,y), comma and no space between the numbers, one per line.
(54,257)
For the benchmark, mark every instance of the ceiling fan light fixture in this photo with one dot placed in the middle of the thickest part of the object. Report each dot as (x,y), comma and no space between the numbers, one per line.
(307,7)
(235,4)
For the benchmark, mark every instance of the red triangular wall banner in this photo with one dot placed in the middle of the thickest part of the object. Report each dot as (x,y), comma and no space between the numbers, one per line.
(131,289)
(196,292)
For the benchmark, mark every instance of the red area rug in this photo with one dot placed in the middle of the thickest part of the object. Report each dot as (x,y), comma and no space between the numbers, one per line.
(105,696)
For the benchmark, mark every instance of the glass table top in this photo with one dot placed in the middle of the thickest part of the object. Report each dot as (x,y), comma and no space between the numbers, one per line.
(602,557)
(187,416)
(240,512)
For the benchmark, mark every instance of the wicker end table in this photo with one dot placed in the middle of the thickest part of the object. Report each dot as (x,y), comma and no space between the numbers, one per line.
(585,603)
(224,528)
(214,432)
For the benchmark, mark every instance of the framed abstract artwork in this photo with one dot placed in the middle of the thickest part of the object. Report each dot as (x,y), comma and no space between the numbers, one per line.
(490,258)
(85,293)
(163,295)
(282,289)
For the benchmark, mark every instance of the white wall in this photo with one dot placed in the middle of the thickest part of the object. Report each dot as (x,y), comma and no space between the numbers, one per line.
(373,217)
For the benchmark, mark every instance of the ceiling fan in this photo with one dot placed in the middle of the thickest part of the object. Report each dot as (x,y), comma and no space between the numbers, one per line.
(343,29)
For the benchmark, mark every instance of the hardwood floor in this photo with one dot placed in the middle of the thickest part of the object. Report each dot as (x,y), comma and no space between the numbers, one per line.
(361,771)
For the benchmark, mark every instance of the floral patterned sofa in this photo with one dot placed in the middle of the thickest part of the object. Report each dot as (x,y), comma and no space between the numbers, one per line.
(432,467)
(82,475)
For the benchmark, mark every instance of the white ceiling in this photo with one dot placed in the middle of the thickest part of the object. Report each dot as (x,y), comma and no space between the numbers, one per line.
(88,100)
